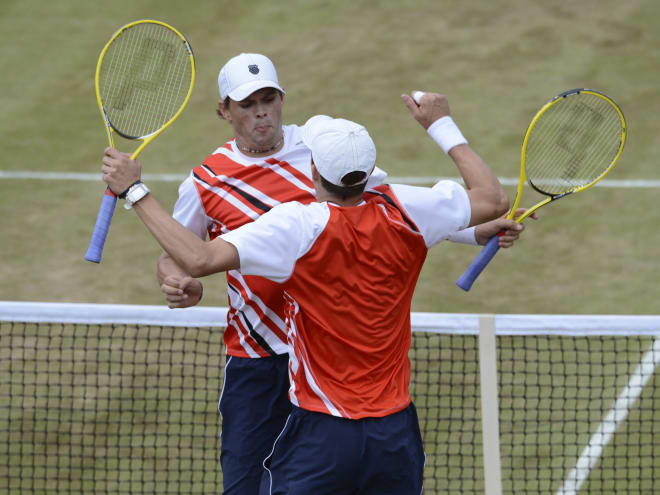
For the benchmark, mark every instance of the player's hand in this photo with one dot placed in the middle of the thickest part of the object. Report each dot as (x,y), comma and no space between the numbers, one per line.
(508,230)
(182,292)
(119,171)
(432,107)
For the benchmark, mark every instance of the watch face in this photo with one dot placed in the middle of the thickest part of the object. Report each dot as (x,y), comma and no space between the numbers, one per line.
(136,193)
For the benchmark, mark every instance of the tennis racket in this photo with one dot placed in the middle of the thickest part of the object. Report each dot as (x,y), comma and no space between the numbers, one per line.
(144,78)
(572,143)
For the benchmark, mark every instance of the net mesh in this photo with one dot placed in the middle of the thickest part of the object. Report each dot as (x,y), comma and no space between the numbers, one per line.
(132,408)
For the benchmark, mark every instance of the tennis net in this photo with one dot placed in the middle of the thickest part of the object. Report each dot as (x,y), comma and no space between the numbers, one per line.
(123,399)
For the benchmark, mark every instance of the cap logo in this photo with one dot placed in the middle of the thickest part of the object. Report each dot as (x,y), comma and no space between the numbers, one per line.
(254,69)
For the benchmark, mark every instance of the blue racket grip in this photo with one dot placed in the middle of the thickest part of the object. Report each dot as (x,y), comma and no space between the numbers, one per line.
(96,243)
(466,280)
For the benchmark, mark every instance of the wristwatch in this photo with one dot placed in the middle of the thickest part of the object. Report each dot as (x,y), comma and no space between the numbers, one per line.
(135,193)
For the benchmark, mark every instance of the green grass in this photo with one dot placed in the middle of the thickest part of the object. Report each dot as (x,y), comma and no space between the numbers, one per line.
(497,61)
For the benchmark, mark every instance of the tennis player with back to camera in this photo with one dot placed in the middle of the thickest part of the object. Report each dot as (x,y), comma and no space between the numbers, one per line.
(265,164)
(353,427)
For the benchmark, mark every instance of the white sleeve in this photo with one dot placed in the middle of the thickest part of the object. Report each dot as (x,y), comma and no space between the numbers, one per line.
(189,211)
(272,244)
(465,236)
(439,211)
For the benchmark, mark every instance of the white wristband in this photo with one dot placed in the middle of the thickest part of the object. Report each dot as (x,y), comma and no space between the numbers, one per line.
(465,236)
(446,133)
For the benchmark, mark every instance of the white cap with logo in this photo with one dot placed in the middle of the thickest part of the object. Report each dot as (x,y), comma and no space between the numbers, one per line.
(246,73)
(339,147)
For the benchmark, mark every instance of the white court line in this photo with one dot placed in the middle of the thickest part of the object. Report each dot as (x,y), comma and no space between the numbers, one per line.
(507,181)
(4,174)
(599,440)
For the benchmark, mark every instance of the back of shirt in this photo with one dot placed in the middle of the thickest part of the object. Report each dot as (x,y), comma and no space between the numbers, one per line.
(349,313)
(349,275)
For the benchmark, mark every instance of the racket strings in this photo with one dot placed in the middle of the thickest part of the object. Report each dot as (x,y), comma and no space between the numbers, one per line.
(572,143)
(167,69)
(144,79)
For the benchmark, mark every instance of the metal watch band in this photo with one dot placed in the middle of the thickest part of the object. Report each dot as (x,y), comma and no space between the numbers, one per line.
(135,193)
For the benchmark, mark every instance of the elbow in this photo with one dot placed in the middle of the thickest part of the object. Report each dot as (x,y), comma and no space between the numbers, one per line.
(207,258)
(488,205)
(197,263)
(199,267)
(196,271)
(494,205)
(501,204)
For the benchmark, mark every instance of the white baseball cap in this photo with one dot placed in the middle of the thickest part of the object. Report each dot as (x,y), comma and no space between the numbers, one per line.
(246,73)
(339,147)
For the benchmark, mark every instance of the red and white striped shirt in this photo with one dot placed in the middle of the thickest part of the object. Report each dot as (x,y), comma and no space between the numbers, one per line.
(229,190)
(349,274)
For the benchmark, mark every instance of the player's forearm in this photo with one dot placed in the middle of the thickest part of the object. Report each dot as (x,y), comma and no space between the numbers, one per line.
(196,257)
(167,267)
(473,169)
(488,198)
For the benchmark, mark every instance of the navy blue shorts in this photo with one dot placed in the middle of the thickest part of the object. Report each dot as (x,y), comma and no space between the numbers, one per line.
(320,454)
(254,406)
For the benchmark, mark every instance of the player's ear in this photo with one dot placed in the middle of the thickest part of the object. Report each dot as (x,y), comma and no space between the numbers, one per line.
(223,110)
(315,173)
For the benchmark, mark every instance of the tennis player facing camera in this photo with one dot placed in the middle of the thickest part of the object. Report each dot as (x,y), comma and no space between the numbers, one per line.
(348,265)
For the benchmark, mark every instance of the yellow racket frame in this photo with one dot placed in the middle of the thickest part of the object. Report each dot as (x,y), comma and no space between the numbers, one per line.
(523,175)
(146,139)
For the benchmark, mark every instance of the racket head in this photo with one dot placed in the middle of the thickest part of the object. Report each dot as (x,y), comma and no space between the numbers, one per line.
(573,142)
(144,78)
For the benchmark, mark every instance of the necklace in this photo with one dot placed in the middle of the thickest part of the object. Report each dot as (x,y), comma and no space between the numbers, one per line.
(249,150)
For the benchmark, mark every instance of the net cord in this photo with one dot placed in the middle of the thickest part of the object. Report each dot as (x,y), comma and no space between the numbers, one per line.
(451,323)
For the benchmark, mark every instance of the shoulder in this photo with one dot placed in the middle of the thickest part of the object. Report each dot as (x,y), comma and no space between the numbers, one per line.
(293,137)
(296,222)
(286,233)
(187,187)
(301,213)
(293,130)
(438,211)
(448,192)
(228,146)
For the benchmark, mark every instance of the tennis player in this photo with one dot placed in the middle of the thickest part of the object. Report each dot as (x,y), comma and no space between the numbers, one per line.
(266,163)
(348,265)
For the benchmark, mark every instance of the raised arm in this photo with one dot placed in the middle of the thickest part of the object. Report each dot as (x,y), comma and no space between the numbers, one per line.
(193,255)
(488,200)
